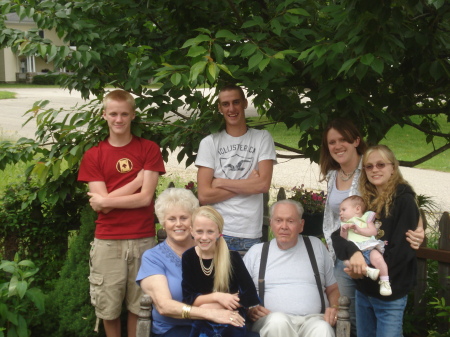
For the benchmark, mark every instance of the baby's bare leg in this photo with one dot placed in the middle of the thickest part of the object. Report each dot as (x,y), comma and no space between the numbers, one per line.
(376,259)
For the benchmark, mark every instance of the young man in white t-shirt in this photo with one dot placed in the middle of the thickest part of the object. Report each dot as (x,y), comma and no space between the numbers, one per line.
(234,170)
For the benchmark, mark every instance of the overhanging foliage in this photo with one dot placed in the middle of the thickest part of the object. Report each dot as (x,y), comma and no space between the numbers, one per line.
(305,62)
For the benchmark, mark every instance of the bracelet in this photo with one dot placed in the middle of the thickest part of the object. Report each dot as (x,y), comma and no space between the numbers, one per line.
(335,306)
(186,312)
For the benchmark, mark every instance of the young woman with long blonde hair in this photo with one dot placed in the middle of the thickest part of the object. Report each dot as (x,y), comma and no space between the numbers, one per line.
(214,276)
(340,165)
(389,195)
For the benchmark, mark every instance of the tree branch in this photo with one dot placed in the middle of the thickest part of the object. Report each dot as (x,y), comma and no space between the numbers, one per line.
(426,157)
(155,23)
(428,132)
(427,111)
(299,155)
(179,115)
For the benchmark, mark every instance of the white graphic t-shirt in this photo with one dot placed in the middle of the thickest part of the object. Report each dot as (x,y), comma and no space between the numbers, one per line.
(235,158)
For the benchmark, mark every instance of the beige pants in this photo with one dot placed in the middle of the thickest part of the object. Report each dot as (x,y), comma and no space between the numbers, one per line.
(114,265)
(279,324)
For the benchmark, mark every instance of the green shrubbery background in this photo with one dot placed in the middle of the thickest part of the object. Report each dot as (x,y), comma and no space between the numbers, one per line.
(69,311)
(45,79)
(48,79)
(56,237)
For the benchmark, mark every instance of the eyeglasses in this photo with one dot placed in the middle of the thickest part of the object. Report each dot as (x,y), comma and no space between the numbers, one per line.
(379,166)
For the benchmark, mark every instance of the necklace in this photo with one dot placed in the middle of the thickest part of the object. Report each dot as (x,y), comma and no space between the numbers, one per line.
(206,271)
(346,176)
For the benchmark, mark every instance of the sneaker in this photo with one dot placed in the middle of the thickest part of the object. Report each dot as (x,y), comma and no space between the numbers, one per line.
(385,288)
(372,273)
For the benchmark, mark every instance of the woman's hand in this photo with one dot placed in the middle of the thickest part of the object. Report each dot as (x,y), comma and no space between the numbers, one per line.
(223,316)
(228,301)
(415,238)
(357,265)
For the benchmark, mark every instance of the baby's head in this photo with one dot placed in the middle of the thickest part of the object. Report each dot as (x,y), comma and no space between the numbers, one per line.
(351,206)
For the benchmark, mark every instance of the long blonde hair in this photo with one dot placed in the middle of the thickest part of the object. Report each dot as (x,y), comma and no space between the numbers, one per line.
(221,259)
(383,201)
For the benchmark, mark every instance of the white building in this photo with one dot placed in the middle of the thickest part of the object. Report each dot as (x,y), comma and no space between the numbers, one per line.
(21,68)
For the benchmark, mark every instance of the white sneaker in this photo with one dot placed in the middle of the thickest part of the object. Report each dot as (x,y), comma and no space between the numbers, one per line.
(372,273)
(385,288)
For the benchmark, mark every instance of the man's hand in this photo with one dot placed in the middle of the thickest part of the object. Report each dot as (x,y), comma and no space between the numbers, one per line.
(330,316)
(140,178)
(257,312)
(253,174)
(95,201)
(218,182)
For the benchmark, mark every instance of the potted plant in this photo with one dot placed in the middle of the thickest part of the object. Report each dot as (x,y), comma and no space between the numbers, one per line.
(314,204)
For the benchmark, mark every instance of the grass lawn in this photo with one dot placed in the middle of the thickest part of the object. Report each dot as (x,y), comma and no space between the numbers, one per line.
(30,86)
(407,143)
(410,144)
(7,95)
(25,86)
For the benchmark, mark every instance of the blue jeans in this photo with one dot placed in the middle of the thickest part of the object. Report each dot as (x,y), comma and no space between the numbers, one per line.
(347,287)
(379,318)
(366,254)
(235,243)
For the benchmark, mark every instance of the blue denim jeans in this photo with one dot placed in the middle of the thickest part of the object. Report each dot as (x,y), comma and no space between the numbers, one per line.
(347,287)
(366,254)
(235,243)
(379,318)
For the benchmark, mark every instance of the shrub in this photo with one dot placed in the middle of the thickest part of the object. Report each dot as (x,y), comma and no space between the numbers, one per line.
(45,79)
(37,230)
(69,311)
(20,304)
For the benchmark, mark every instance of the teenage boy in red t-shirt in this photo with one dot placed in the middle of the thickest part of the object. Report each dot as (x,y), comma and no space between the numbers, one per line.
(122,173)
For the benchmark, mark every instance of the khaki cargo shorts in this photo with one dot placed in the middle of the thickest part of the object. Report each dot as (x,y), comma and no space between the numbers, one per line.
(114,265)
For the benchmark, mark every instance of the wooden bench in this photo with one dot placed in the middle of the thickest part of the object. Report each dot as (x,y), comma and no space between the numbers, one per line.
(145,317)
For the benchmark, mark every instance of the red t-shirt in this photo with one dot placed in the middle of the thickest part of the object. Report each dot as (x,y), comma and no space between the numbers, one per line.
(117,166)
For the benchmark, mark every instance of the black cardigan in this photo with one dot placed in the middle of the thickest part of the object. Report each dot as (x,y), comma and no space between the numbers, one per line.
(399,256)
(196,283)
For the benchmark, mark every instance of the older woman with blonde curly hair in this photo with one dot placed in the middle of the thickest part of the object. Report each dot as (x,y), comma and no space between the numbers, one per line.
(387,193)
(160,274)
